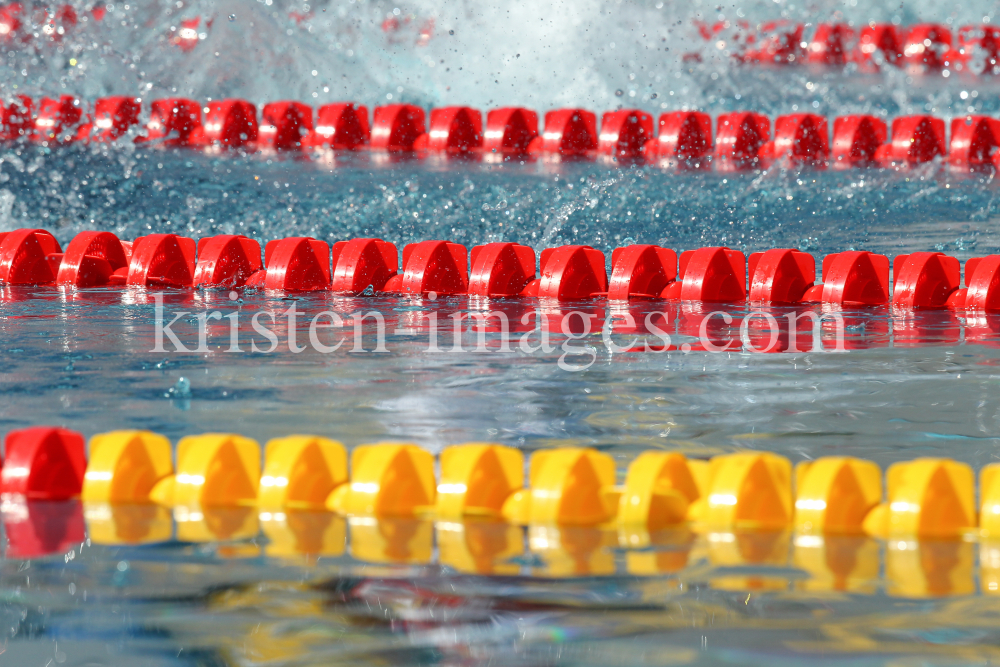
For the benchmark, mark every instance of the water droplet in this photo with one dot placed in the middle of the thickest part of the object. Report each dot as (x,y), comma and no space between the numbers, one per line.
(182,389)
(451,32)
(619,92)
(232,17)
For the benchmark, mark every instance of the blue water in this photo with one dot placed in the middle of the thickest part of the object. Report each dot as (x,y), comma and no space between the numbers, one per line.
(236,589)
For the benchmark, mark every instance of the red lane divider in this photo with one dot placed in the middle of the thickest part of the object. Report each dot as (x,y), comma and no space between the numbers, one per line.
(501,269)
(162,260)
(921,48)
(94,259)
(362,263)
(856,140)
(227,260)
(510,130)
(362,266)
(397,127)
(284,125)
(432,266)
(341,126)
(298,263)
(743,138)
(739,138)
(915,140)
(780,276)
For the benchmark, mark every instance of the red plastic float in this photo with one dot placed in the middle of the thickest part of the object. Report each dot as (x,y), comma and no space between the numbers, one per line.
(10,21)
(779,276)
(979,43)
(113,116)
(173,122)
(927,45)
(685,138)
(94,259)
(501,269)
(29,257)
(856,140)
(362,263)
(915,140)
(342,126)
(924,279)
(510,130)
(567,132)
(397,127)
(709,274)
(15,118)
(187,35)
(780,44)
(57,119)
(982,275)
(227,260)
(284,125)
(830,44)
(739,137)
(641,271)
(852,278)
(801,137)
(432,266)
(228,124)
(298,263)
(880,43)
(43,463)
(570,272)
(624,133)
(974,142)
(453,130)
(162,260)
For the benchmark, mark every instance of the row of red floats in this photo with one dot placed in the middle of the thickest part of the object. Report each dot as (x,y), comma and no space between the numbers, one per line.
(930,46)
(498,270)
(742,139)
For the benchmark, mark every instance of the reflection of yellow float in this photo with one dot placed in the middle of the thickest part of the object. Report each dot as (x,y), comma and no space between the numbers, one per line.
(573,551)
(480,546)
(293,532)
(837,562)
(391,540)
(127,524)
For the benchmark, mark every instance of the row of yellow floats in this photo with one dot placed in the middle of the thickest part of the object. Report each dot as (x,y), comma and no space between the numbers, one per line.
(755,491)
(734,510)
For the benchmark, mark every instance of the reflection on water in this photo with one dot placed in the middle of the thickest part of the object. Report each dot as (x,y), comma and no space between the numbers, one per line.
(310,588)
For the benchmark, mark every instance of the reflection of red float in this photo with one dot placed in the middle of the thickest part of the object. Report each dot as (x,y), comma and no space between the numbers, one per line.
(37,528)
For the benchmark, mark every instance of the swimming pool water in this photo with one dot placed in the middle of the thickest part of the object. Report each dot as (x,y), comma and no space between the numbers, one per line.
(235,588)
